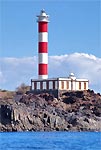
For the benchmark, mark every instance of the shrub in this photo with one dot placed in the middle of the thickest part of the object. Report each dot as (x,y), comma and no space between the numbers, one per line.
(22,89)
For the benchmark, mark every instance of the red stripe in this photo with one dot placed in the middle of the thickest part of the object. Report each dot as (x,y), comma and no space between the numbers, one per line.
(43,69)
(42,27)
(43,47)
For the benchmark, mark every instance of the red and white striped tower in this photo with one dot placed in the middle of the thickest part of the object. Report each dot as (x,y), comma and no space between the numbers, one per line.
(43,45)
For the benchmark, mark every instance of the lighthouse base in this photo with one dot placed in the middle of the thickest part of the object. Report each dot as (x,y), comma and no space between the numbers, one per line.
(54,93)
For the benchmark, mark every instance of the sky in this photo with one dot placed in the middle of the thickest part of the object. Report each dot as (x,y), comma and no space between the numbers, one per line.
(74,40)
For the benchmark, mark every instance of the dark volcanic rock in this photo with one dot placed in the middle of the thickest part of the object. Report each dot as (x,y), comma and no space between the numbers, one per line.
(69,100)
(74,111)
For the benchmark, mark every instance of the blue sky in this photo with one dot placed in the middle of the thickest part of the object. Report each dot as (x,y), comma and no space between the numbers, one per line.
(75,27)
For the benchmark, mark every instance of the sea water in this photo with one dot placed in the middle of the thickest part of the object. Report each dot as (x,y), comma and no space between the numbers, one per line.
(50,141)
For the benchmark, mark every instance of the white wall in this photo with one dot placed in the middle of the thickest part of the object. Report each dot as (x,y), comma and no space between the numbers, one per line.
(44,85)
(82,85)
(38,85)
(73,85)
(56,84)
(32,86)
(77,85)
(65,84)
(59,84)
(69,85)
(50,85)
(87,85)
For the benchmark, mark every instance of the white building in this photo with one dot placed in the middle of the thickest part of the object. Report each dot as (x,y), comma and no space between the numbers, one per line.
(70,83)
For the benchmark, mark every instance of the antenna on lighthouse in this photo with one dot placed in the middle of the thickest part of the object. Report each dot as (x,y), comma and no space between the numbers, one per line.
(43,20)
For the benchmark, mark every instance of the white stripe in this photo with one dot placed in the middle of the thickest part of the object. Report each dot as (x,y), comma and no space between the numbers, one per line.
(43,76)
(43,58)
(43,37)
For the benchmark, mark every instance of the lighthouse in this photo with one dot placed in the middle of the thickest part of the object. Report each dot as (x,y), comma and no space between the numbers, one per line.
(43,20)
(57,85)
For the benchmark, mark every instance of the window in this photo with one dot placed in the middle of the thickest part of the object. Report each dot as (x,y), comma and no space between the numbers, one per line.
(62,84)
(38,85)
(56,84)
(67,84)
(79,85)
(44,85)
(84,85)
(50,85)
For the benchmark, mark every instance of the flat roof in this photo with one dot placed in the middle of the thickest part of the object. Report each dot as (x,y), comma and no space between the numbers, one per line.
(59,78)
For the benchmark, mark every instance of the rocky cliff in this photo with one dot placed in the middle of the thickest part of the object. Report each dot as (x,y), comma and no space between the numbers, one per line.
(73,111)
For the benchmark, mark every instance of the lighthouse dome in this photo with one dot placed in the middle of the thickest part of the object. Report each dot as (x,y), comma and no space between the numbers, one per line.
(72,76)
(43,17)
(43,13)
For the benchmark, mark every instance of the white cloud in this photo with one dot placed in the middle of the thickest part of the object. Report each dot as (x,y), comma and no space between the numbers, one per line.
(14,71)
(2,79)
(17,70)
